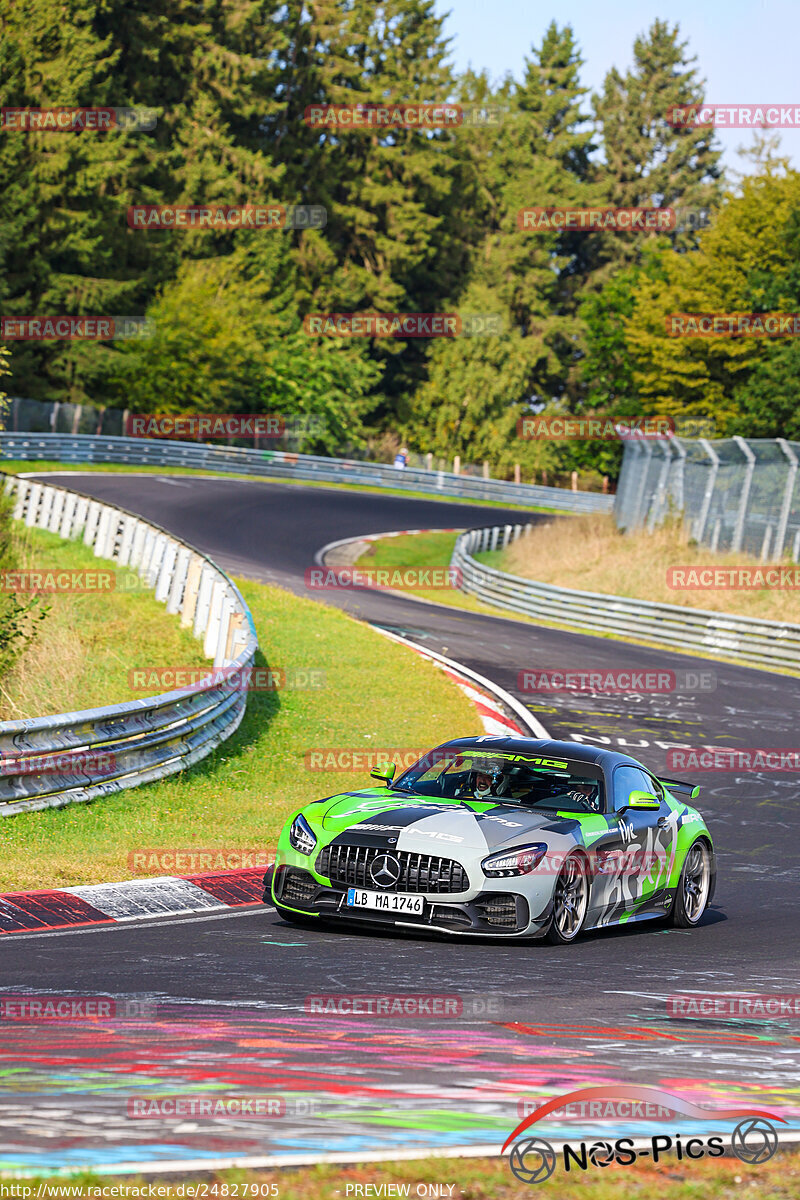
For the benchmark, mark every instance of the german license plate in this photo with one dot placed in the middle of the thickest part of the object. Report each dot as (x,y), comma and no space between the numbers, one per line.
(395,902)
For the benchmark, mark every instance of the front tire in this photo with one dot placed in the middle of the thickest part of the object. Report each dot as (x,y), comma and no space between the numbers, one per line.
(570,901)
(695,886)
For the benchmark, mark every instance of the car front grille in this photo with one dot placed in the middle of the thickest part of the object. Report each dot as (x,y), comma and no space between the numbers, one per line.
(298,886)
(348,866)
(498,910)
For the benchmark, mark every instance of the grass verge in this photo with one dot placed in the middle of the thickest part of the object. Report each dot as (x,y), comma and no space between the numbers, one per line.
(476,1179)
(88,641)
(375,694)
(592,555)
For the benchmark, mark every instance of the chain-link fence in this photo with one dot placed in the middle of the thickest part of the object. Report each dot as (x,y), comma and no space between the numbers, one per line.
(734,493)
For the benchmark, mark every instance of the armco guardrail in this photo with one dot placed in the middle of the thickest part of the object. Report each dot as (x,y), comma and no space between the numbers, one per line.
(279,464)
(762,643)
(103,750)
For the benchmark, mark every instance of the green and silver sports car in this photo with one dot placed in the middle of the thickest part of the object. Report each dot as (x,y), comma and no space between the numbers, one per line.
(501,836)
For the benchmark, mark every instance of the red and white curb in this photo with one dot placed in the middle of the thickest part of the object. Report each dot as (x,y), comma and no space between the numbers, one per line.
(131,900)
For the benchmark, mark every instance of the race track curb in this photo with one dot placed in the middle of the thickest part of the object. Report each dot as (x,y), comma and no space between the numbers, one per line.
(131,900)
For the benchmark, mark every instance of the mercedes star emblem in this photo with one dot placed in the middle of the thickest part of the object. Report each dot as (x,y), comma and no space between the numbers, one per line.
(385,870)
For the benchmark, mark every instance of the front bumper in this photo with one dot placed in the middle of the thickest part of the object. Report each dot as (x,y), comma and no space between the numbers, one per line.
(491,913)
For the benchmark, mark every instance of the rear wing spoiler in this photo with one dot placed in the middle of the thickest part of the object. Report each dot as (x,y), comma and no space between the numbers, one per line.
(687,789)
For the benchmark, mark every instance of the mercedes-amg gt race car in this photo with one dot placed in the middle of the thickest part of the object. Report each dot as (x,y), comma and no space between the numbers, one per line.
(501,836)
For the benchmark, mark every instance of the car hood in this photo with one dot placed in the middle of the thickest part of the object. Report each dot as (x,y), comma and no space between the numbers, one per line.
(421,824)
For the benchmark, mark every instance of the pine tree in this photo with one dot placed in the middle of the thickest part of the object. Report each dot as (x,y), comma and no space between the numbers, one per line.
(647,160)
(64,192)
(539,157)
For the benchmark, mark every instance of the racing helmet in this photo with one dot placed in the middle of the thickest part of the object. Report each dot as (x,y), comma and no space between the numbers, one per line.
(486,778)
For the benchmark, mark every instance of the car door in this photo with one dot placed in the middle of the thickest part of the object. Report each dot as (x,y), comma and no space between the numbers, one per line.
(634,857)
(650,833)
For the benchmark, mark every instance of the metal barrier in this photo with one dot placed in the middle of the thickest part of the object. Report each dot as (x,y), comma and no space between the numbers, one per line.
(280,464)
(762,643)
(735,494)
(146,739)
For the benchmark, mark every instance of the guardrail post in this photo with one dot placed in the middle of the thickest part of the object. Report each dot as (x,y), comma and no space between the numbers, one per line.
(191,591)
(23,492)
(228,605)
(788,494)
(59,498)
(700,525)
(43,518)
(79,517)
(156,558)
(32,510)
(203,599)
(92,518)
(126,541)
(138,545)
(236,627)
(106,533)
(164,579)
(179,579)
(147,551)
(67,514)
(214,616)
(738,532)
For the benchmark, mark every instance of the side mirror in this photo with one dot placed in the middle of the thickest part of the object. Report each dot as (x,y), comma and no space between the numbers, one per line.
(385,772)
(643,800)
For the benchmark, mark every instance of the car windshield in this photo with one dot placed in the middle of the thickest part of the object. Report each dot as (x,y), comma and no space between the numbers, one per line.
(506,778)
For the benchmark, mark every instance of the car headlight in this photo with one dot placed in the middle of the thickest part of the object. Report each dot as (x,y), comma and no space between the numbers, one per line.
(301,836)
(519,861)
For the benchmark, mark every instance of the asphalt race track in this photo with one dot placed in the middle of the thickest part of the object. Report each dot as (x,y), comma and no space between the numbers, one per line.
(231,988)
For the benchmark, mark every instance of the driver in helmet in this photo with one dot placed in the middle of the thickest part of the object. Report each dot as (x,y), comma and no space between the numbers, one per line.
(487,780)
